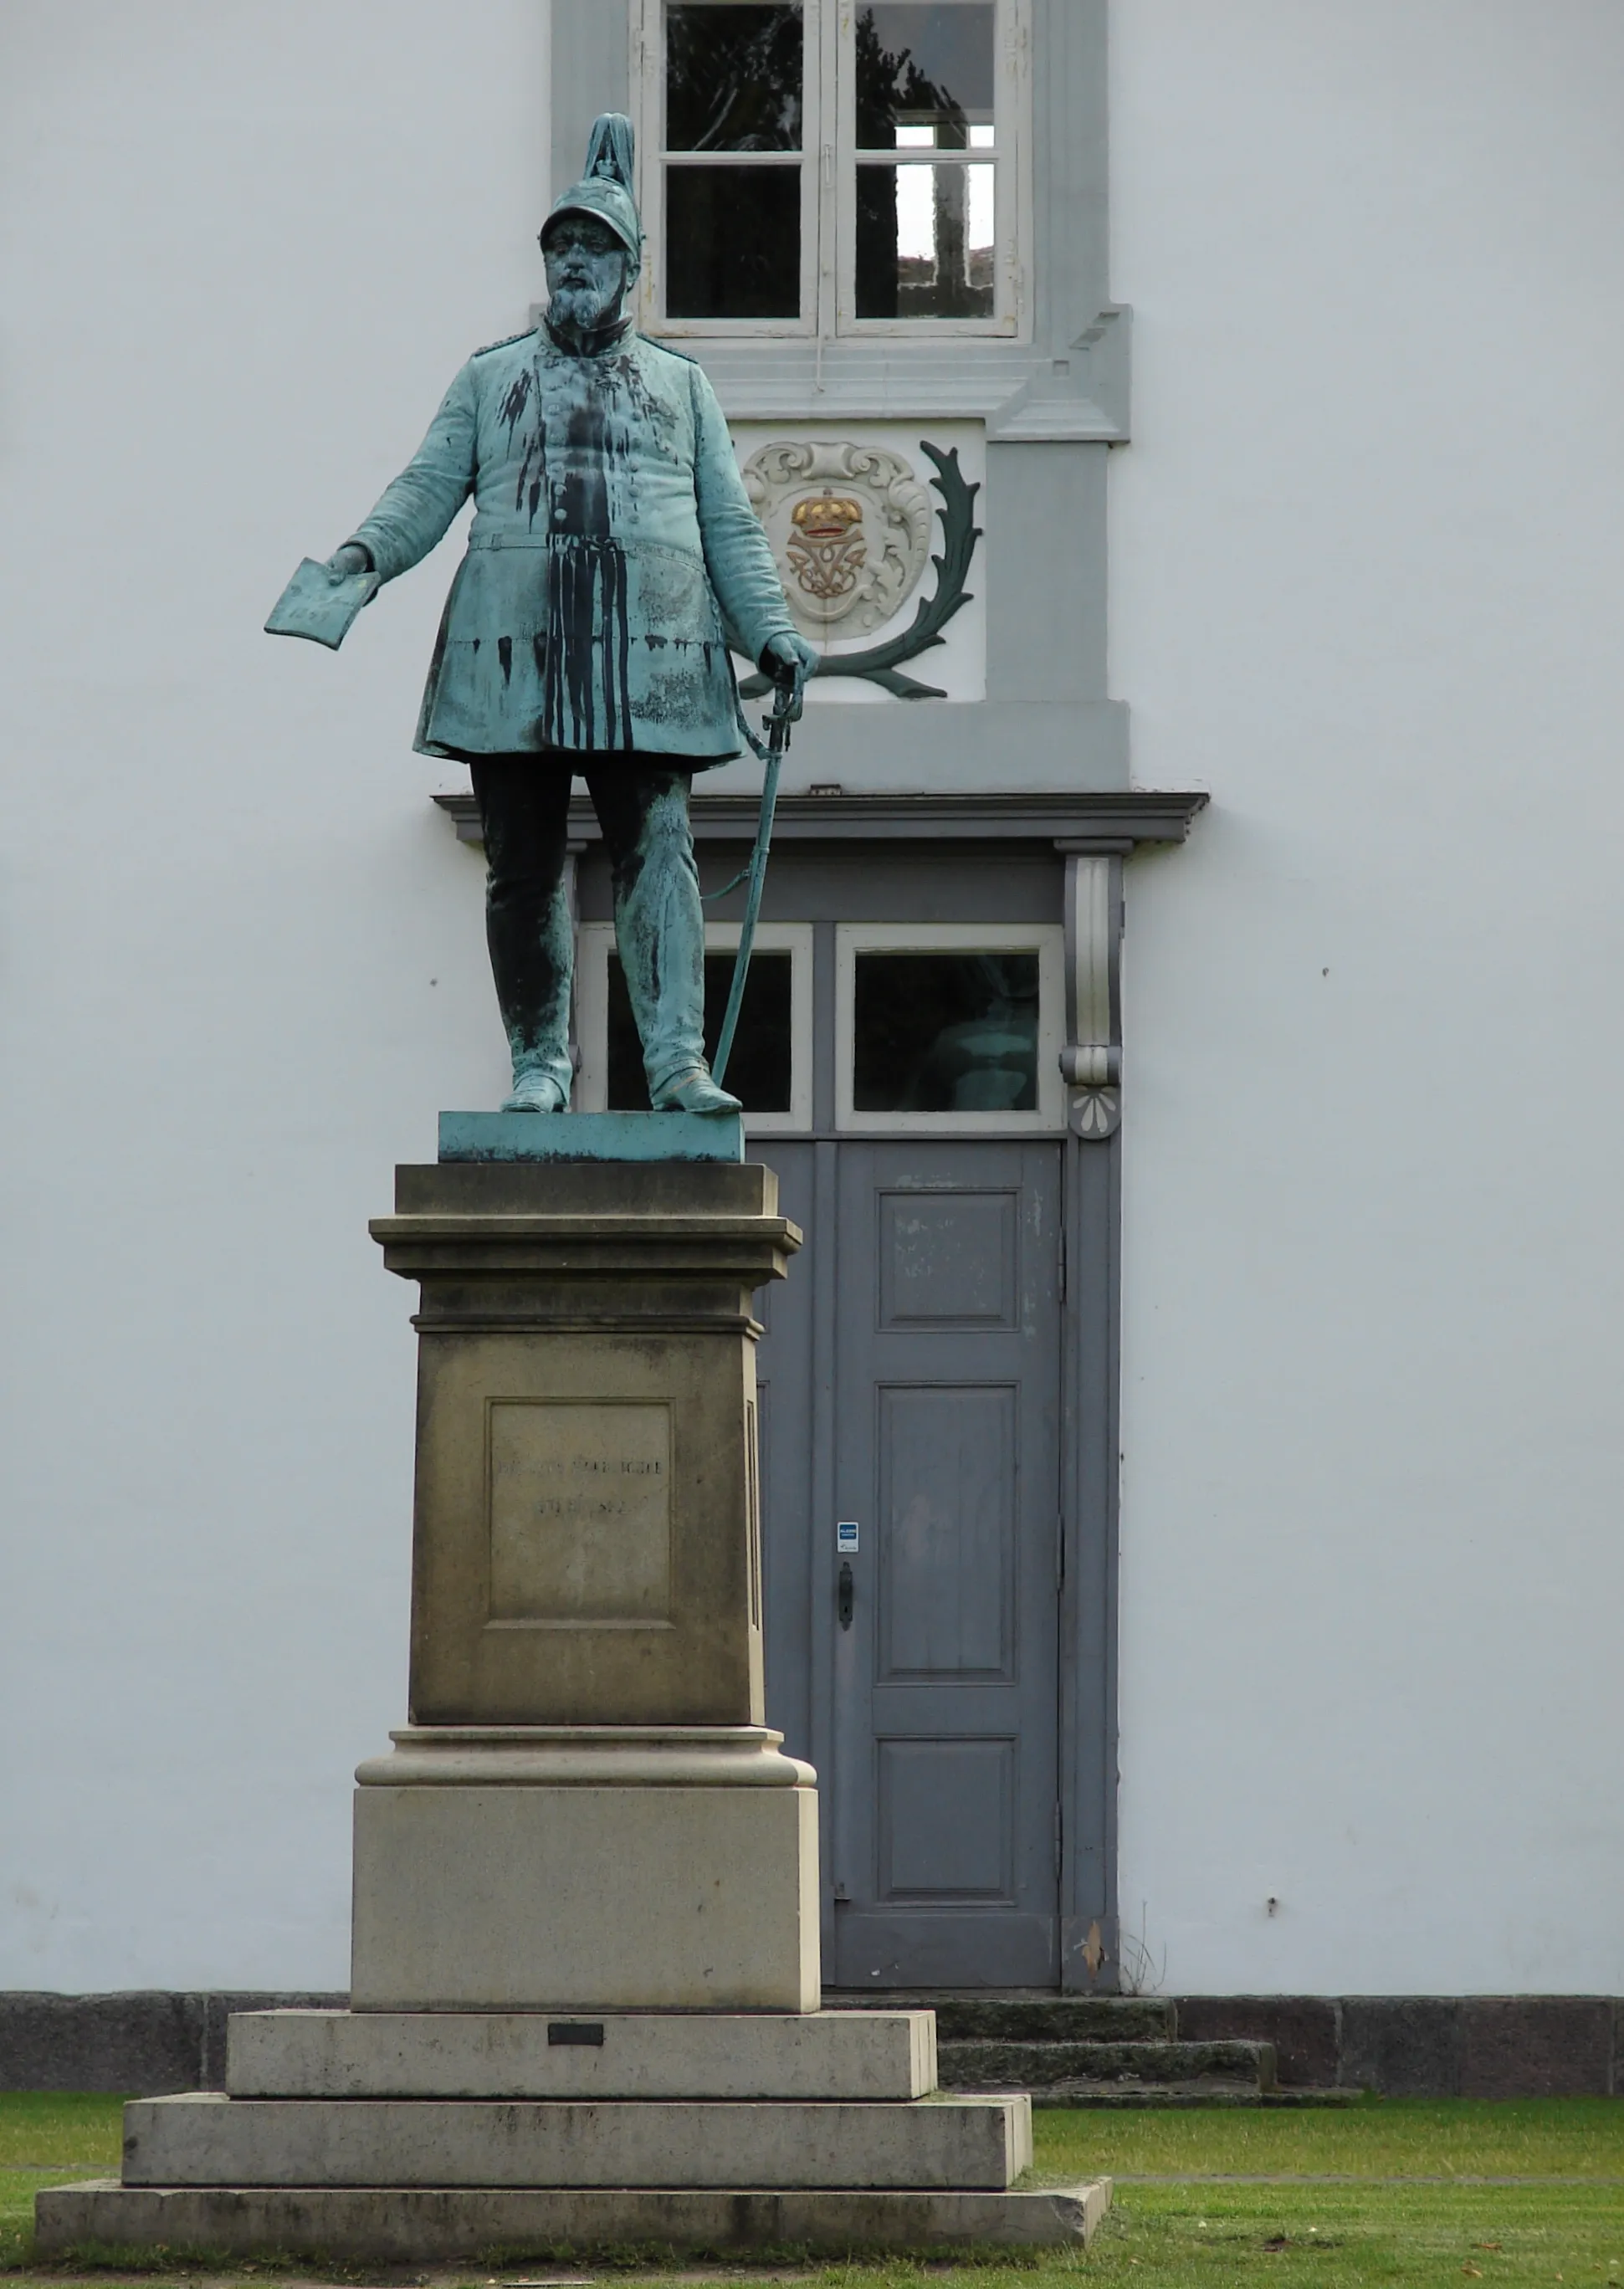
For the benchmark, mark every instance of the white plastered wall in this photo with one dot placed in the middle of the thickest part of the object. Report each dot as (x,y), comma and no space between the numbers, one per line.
(1369,564)
(1368,586)
(244,247)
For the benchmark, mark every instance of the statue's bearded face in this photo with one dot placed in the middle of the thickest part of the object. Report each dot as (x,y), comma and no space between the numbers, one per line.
(587,272)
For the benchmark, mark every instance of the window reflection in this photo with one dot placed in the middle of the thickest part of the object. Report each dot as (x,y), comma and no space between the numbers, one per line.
(733,84)
(925,233)
(758,1069)
(732,78)
(945,1033)
(733,242)
(923,63)
(924,242)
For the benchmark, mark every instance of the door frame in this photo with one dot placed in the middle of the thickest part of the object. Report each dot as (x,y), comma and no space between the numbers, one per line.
(1061,854)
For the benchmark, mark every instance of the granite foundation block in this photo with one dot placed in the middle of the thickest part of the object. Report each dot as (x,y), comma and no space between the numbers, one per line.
(414,2226)
(857,2055)
(932,2144)
(1536,2046)
(1403,2045)
(1410,2046)
(135,2041)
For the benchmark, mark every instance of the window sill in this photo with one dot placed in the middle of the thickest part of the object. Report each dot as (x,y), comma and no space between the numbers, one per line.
(1023,393)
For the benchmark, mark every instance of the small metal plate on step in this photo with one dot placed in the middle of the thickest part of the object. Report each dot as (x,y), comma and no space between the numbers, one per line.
(589,2033)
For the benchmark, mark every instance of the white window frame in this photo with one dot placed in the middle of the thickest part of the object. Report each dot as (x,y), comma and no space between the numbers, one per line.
(594,944)
(648,79)
(1046,940)
(1011,160)
(828,183)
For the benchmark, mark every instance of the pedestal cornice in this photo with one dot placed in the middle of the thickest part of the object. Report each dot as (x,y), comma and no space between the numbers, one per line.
(586,1756)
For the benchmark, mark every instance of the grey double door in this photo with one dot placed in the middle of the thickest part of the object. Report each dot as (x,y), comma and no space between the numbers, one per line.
(911,1373)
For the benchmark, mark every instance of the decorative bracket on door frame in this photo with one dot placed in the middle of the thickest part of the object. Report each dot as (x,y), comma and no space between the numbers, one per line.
(1091,1062)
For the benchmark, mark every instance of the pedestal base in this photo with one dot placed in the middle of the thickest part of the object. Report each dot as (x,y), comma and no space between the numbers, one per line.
(502,2226)
(586,1868)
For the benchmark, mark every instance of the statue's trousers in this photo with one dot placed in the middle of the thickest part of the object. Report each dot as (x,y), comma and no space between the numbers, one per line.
(524,806)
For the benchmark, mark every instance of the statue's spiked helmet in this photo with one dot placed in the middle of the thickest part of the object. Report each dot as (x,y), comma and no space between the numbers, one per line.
(606,189)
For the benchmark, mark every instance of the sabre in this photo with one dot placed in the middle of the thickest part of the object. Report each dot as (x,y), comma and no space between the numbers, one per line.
(786,709)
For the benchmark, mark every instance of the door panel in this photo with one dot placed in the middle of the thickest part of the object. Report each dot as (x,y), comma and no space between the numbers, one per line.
(971,1856)
(948,1490)
(946,1453)
(947,1261)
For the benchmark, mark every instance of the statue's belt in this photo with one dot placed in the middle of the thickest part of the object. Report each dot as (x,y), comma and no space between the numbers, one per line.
(639,547)
(515,539)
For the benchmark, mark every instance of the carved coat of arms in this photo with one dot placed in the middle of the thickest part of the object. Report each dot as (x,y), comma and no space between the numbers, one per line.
(849,527)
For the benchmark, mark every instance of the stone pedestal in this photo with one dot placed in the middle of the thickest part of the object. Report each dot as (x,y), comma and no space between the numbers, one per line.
(588,1811)
(587,1540)
(586,1855)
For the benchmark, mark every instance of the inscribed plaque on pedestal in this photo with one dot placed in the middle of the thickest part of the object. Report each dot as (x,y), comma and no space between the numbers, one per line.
(578,1499)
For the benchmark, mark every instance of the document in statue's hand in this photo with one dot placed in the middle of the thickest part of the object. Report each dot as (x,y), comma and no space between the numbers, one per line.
(321,604)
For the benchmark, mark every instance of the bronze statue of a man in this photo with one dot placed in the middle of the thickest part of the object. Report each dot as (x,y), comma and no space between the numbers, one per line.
(613,563)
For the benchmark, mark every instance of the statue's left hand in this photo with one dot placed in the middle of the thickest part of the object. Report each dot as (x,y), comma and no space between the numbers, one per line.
(351,558)
(789,660)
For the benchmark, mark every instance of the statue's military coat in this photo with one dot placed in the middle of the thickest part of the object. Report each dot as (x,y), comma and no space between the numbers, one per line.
(612,559)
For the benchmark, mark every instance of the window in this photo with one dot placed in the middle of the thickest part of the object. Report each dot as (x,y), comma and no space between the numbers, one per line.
(949,1026)
(834,166)
(770,1067)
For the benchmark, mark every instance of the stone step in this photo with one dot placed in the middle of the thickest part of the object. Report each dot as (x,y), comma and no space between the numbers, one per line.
(1029,2018)
(1064,2019)
(961,2143)
(1035,2065)
(413,2226)
(687,2054)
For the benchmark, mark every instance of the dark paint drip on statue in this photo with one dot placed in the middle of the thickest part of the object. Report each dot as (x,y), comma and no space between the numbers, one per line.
(517,398)
(584,660)
(582,506)
(587,702)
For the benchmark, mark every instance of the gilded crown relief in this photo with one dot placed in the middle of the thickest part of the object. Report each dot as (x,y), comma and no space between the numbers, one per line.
(849,526)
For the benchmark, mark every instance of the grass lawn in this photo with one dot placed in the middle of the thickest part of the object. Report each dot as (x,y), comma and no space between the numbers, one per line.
(1436,2194)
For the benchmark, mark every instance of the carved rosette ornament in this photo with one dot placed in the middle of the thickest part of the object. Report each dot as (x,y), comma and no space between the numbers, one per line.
(849,527)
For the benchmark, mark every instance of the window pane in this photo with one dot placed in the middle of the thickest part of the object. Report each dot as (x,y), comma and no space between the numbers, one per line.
(758,1069)
(923,63)
(732,78)
(946,1032)
(925,241)
(733,242)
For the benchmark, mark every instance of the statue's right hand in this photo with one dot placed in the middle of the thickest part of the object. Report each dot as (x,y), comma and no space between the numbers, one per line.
(351,558)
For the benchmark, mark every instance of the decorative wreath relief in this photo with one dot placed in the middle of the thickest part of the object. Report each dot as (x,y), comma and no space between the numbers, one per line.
(849,526)
(827,553)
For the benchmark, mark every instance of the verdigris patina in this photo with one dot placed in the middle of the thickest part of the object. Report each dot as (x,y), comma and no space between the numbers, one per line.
(613,562)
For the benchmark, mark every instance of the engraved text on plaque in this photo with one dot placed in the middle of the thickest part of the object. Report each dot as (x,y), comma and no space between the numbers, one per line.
(580,1506)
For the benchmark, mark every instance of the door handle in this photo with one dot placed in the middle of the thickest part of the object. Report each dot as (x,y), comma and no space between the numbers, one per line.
(843,1596)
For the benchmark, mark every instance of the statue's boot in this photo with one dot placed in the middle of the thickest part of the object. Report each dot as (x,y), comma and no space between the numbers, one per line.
(695,1092)
(660,929)
(532,960)
(536,1089)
